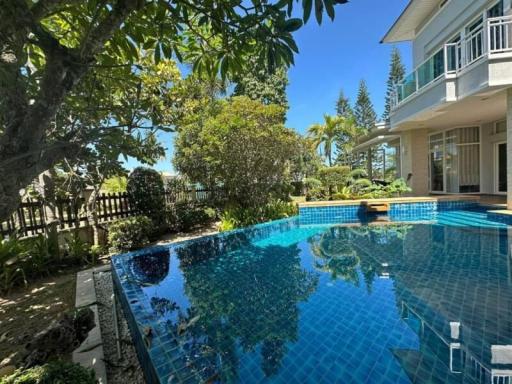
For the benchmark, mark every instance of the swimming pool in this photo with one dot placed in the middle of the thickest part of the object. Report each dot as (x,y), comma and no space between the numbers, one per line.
(428,301)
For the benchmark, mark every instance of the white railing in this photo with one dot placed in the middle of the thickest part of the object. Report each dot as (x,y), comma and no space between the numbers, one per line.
(494,38)
(499,36)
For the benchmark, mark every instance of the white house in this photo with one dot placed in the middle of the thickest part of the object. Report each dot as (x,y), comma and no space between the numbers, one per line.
(450,115)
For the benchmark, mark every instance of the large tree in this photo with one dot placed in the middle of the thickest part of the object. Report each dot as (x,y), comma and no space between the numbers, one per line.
(364,113)
(396,75)
(343,107)
(242,146)
(48,46)
(258,84)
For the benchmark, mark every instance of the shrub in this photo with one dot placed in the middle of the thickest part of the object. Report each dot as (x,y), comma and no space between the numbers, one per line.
(241,217)
(130,233)
(12,273)
(333,177)
(398,187)
(364,189)
(146,194)
(41,252)
(243,147)
(52,373)
(80,251)
(190,214)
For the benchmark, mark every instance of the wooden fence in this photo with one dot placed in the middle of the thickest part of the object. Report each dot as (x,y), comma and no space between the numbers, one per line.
(31,219)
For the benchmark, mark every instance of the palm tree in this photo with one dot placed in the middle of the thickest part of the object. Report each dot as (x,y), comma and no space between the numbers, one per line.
(337,132)
(325,135)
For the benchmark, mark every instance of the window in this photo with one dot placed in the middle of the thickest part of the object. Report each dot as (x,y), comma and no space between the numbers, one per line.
(496,10)
(500,127)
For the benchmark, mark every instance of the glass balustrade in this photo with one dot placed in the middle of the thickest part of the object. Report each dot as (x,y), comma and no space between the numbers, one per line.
(431,69)
(459,54)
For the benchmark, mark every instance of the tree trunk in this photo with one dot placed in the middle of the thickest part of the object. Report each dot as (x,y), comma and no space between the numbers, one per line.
(92,215)
(25,151)
(47,183)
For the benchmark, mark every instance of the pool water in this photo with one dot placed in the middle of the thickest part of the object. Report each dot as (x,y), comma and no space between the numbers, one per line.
(417,302)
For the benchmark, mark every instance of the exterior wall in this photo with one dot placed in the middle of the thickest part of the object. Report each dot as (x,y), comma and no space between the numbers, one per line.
(499,72)
(444,25)
(432,95)
(488,141)
(474,78)
(414,150)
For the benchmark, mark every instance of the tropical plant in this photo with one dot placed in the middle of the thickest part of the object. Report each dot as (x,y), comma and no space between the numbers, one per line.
(324,135)
(78,249)
(237,217)
(41,252)
(12,257)
(50,46)
(146,194)
(243,148)
(131,233)
(52,373)
(363,111)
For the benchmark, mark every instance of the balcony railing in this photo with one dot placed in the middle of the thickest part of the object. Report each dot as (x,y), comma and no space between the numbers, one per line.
(493,39)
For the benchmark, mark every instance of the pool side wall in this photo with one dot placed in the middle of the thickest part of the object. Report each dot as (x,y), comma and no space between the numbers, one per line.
(145,361)
(343,212)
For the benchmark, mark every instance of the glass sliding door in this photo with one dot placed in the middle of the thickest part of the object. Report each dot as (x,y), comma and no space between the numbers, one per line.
(455,161)
(469,159)
(501,168)
(437,163)
(451,162)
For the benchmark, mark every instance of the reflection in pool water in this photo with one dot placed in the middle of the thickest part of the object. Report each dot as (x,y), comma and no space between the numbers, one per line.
(401,303)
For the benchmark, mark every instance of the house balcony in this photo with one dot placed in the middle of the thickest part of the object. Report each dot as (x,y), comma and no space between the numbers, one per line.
(473,68)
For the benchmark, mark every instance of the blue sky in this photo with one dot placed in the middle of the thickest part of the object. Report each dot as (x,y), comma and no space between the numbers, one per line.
(334,56)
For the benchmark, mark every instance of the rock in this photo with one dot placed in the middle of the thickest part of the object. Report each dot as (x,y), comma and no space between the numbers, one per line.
(60,338)
(4,336)
(7,370)
(10,360)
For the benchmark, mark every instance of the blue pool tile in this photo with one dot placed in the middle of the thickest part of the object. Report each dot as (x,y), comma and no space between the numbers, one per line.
(299,302)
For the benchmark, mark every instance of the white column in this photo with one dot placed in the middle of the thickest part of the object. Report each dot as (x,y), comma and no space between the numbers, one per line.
(509,148)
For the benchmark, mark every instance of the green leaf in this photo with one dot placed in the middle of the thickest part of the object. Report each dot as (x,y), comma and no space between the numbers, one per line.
(319,10)
(158,54)
(291,43)
(292,25)
(224,66)
(329,7)
(307,5)
(167,51)
(283,3)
